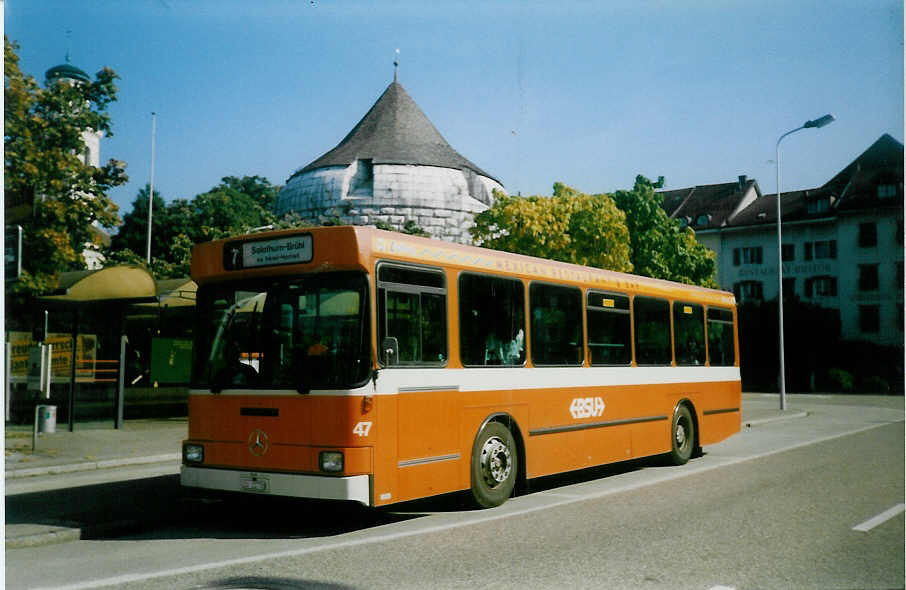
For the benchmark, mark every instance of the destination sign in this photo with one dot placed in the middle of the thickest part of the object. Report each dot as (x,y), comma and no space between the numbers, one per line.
(287,250)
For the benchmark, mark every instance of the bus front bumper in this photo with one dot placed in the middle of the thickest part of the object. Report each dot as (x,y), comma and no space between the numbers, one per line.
(356,487)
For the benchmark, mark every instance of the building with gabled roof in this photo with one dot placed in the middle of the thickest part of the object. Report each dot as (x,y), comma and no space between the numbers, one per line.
(842,241)
(708,208)
(394,167)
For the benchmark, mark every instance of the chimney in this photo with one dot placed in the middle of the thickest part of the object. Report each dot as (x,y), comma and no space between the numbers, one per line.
(742,181)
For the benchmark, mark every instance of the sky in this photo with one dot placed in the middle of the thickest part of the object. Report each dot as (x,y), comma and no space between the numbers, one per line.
(585,93)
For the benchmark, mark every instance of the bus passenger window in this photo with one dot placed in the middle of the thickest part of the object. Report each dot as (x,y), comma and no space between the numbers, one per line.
(412,305)
(491,320)
(721,342)
(556,325)
(689,334)
(608,328)
(652,331)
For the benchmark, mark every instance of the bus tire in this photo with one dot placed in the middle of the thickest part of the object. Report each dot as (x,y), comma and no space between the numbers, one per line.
(495,465)
(682,436)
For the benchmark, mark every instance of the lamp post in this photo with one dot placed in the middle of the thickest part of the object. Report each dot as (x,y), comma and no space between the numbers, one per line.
(151,190)
(816,124)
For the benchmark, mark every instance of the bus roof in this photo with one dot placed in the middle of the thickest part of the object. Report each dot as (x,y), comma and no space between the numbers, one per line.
(359,247)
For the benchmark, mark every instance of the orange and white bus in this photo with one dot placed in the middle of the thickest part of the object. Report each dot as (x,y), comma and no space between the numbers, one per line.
(351,363)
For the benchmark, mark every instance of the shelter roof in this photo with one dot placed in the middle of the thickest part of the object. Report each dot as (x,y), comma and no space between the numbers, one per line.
(114,283)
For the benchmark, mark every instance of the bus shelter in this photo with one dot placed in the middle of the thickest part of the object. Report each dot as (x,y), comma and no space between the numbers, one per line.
(104,327)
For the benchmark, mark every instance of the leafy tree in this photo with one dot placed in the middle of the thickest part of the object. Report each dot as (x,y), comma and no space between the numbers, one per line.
(45,175)
(233,207)
(133,233)
(659,248)
(569,226)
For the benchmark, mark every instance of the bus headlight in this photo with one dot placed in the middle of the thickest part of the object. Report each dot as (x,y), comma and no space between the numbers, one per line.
(331,461)
(192,453)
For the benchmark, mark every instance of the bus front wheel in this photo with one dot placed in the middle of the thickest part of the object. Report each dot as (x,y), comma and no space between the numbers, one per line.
(682,436)
(494,465)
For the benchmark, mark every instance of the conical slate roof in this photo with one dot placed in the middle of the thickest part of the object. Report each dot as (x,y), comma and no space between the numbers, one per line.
(395,131)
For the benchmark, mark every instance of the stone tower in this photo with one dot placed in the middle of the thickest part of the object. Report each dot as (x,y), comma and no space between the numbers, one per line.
(393,167)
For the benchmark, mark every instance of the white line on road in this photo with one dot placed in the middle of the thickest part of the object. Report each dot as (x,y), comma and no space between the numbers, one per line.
(880,519)
(722,588)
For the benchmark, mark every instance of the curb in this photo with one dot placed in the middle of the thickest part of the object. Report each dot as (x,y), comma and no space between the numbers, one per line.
(90,466)
(758,422)
(64,534)
(54,534)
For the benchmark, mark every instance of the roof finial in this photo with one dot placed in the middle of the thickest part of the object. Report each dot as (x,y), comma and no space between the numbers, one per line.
(396,64)
(68,43)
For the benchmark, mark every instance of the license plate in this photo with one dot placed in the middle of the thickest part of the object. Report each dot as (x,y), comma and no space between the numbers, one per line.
(254,484)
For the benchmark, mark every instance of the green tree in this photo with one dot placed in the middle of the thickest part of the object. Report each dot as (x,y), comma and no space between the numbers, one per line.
(59,194)
(133,233)
(658,246)
(569,226)
(235,206)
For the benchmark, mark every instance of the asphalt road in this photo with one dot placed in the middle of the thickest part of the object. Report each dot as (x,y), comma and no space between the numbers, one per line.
(776,506)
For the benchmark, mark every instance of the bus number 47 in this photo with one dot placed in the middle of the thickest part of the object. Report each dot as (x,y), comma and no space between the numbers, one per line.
(362,428)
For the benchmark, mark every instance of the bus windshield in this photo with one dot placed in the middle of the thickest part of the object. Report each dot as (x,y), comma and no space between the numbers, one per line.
(297,333)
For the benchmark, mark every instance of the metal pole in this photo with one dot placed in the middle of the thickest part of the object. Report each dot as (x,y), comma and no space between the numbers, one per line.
(151,189)
(780,277)
(121,383)
(813,124)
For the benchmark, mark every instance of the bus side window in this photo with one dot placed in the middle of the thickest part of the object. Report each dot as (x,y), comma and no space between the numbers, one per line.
(412,303)
(609,332)
(491,320)
(689,333)
(652,331)
(721,344)
(556,325)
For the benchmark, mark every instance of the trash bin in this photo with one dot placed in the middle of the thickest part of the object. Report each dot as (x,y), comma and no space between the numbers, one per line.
(47,418)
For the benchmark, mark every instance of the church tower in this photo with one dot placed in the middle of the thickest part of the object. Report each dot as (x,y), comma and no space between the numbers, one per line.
(69,74)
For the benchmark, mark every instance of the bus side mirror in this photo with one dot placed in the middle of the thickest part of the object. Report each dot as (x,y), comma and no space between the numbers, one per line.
(390,351)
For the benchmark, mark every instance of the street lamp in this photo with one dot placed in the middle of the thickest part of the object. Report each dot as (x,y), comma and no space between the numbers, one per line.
(816,124)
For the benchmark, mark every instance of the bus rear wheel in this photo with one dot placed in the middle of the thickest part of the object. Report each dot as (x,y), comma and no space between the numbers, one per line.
(682,436)
(494,465)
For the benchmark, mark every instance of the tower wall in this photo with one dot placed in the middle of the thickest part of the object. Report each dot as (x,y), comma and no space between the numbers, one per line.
(438,200)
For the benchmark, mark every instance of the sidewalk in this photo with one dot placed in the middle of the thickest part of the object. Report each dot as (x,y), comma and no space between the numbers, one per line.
(89,448)
(140,442)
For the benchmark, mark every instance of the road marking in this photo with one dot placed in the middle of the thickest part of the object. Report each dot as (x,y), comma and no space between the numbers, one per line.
(722,588)
(480,517)
(880,519)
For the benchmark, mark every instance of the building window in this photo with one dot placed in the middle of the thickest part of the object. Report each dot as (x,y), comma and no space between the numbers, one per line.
(870,319)
(748,291)
(789,288)
(900,232)
(821,249)
(868,235)
(788,252)
(887,191)
(868,277)
(825,286)
(747,256)
(818,205)
(899,276)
